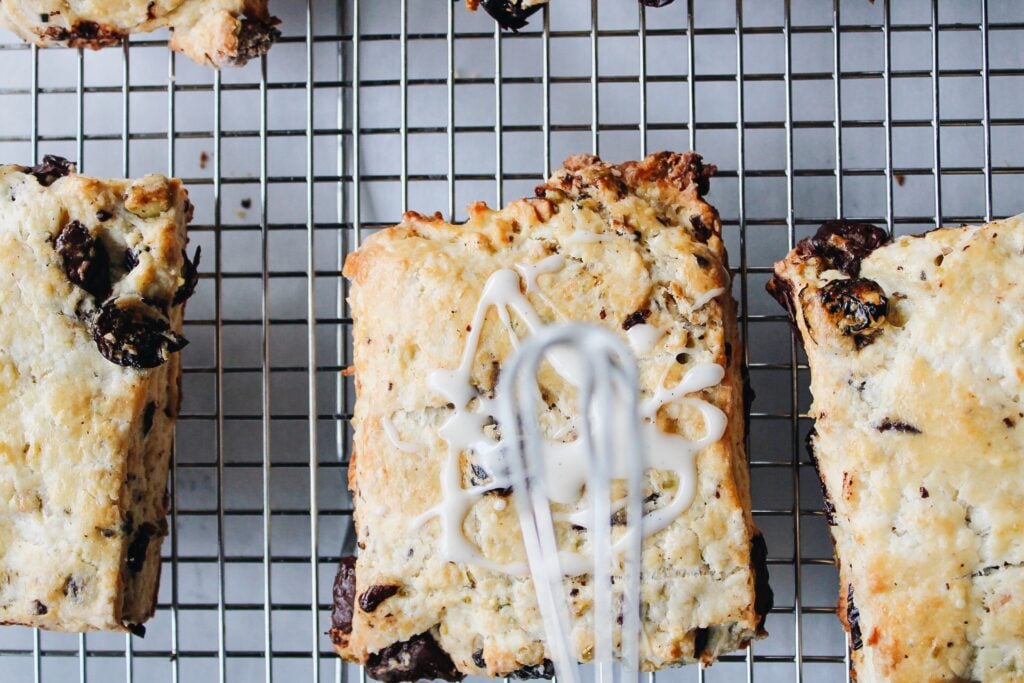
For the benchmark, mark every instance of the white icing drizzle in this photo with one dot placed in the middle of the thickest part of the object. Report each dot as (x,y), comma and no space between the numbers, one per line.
(702,300)
(392,434)
(530,273)
(643,337)
(546,266)
(566,463)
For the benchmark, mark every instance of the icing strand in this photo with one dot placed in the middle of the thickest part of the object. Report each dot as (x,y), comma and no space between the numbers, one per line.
(643,337)
(566,463)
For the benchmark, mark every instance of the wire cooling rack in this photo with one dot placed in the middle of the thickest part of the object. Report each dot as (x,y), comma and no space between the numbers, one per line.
(907,114)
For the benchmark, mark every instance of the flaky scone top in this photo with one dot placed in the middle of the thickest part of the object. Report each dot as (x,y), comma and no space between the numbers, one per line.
(916,349)
(629,247)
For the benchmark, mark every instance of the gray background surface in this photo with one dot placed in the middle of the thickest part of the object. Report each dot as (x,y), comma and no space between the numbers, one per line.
(280,135)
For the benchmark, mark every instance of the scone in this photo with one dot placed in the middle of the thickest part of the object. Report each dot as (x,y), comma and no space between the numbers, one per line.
(93,283)
(916,350)
(440,587)
(212,32)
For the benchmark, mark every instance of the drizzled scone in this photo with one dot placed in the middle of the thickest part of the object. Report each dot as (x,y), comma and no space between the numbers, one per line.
(93,283)
(212,32)
(916,350)
(440,587)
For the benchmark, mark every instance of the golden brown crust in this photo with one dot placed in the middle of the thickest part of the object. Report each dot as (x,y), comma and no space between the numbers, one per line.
(638,243)
(917,375)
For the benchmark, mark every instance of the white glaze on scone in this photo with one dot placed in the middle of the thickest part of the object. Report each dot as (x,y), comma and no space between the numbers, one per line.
(84,442)
(616,246)
(212,32)
(920,446)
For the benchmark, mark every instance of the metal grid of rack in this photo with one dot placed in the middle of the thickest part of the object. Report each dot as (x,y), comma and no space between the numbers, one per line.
(907,114)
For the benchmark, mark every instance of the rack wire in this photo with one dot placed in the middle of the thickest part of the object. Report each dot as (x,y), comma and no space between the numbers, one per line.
(905,114)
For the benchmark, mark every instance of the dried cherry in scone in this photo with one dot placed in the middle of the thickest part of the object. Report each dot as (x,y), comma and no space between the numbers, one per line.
(373,596)
(546,669)
(414,659)
(51,168)
(856,306)
(131,333)
(190,274)
(344,595)
(843,244)
(135,558)
(85,259)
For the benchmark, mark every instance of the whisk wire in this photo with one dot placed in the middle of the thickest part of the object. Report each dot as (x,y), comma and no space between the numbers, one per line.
(609,429)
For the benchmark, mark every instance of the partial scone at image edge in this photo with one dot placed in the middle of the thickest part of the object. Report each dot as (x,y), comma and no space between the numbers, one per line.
(93,282)
(437,589)
(211,32)
(916,352)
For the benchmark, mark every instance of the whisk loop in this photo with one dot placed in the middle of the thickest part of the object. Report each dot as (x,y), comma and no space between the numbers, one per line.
(608,403)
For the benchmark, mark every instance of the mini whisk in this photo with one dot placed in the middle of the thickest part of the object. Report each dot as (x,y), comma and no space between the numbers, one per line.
(609,425)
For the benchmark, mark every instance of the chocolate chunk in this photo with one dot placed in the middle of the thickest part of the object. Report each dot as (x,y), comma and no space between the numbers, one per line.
(344,594)
(128,333)
(478,659)
(376,594)
(255,37)
(85,259)
(546,669)
(52,168)
(655,3)
(39,607)
(413,659)
(135,558)
(137,630)
(190,274)
(843,244)
(764,598)
(147,418)
(636,318)
(829,507)
(924,492)
(889,425)
(1008,421)
(103,215)
(853,620)
(700,641)
(856,306)
(510,14)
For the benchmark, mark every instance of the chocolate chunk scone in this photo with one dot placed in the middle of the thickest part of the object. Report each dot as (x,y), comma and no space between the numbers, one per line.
(93,282)
(440,587)
(211,32)
(916,350)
